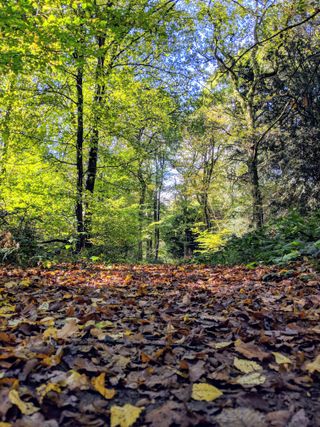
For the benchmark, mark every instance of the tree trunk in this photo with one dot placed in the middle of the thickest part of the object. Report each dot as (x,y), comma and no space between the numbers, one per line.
(156,219)
(149,249)
(6,134)
(257,203)
(142,198)
(79,161)
(94,144)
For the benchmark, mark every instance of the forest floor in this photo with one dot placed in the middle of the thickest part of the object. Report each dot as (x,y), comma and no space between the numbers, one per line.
(159,346)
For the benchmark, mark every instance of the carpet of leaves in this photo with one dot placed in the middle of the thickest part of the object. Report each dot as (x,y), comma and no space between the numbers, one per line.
(159,346)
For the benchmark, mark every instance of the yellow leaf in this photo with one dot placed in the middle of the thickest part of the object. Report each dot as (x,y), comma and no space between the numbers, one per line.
(2,424)
(104,324)
(26,282)
(47,321)
(281,359)
(207,392)
(50,333)
(254,378)
(26,408)
(124,416)
(54,359)
(128,279)
(44,389)
(246,366)
(314,366)
(222,344)
(7,310)
(98,384)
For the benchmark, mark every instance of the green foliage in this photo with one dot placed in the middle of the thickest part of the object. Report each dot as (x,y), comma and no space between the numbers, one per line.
(210,242)
(281,241)
(108,147)
(19,241)
(177,230)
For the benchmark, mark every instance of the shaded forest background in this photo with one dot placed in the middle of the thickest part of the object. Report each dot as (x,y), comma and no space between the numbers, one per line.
(159,130)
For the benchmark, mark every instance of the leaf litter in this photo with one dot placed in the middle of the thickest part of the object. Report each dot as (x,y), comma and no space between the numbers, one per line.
(84,345)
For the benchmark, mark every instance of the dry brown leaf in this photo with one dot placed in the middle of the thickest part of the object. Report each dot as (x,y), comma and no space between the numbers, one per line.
(250,350)
(166,415)
(196,371)
(75,381)
(241,417)
(70,328)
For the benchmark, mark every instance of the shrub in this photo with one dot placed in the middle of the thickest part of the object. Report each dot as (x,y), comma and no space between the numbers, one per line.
(279,242)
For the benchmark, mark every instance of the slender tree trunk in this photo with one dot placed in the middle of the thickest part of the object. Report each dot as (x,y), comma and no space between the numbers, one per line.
(149,219)
(206,211)
(257,202)
(6,134)
(5,141)
(149,249)
(156,219)
(94,144)
(79,161)
(142,199)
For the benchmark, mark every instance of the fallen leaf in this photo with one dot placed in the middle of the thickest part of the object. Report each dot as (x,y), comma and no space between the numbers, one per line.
(50,333)
(241,417)
(98,384)
(124,416)
(299,419)
(196,371)
(204,391)
(278,418)
(246,366)
(223,344)
(104,324)
(27,408)
(281,359)
(254,378)
(75,381)
(35,420)
(44,389)
(250,350)
(314,366)
(70,328)
(166,415)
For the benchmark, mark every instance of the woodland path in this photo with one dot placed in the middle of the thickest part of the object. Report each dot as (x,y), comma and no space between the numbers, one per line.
(159,346)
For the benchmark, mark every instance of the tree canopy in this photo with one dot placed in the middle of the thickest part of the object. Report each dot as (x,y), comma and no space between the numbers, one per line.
(155,130)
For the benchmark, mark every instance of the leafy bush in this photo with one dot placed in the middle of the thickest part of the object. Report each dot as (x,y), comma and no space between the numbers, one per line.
(18,243)
(280,241)
(211,242)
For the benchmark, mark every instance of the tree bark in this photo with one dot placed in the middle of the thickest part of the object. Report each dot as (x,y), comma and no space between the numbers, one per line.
(94,144)
(79,160)
(257,203)
(142,199)
(156,219)
(6,133)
